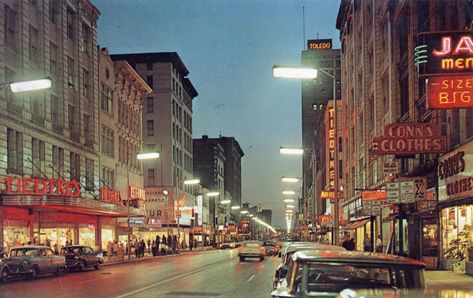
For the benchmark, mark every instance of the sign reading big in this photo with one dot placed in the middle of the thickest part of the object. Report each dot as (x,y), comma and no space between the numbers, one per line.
(444,53)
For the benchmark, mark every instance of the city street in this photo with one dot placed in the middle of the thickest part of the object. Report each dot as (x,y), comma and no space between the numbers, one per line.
(215,273)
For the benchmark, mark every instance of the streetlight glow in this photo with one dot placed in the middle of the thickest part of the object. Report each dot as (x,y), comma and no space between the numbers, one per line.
(290,206)
(294,72)
(288,200)
(149,155)
(191,182)
(225,202)
(290,179)
(291,150)
(235,207)
(243,211)
(213,194)
(30,85)
(288,192)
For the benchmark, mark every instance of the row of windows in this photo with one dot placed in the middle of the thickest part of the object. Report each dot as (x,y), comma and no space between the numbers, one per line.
(129,118)
(127,153)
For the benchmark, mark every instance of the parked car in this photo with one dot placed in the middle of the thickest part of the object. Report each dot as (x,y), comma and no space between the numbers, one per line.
(226,245)
(251,249)
(327,273)
(281,270)
(80,257)
(405,293)
(32,261)
(270,247)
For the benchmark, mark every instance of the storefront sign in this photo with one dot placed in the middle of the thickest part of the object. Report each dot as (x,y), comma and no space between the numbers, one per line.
(445,53)
(406,190)
(324,219)
(390,165)
(331,149)
(136,193)
(39,186)
(155,222)
(373,195)
(319,44)
(455,173)
(111,196)
(450,92)
(410,138)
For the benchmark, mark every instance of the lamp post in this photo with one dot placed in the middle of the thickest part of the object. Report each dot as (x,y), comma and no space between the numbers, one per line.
(304,73)
(214,194)
(178,211)
(140,156)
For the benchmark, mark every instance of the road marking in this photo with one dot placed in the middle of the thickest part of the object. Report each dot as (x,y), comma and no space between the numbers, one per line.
(137,291)
(251,278)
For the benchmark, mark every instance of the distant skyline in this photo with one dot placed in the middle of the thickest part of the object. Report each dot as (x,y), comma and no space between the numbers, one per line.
(229,48)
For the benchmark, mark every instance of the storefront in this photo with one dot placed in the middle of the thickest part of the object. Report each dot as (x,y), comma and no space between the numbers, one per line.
(455,183)
(53,213)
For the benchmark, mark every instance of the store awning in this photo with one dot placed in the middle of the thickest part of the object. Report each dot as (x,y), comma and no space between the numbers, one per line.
(357,224)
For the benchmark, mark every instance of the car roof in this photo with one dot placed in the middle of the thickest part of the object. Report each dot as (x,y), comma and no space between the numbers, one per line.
(353,257)
(313,246)
(72,246)
(31,247)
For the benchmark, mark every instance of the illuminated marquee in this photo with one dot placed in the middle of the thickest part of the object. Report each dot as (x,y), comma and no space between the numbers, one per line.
(331,148)
(319,44)
(445,53)
(447,92)
(39,186)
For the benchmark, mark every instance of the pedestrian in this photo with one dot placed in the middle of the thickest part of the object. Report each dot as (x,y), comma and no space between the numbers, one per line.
(157,244)
(136,247)
(346,242)
(153,248)
(351,244)
(143,246)
(367,243)
(191,243)
(169,243)
(379,243)
(149,245)
(174,244)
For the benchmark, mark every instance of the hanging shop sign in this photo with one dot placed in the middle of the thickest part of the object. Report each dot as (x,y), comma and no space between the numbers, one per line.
(331,148)
(450,92)
(136,193)
(111,196)
(39,186)
(155,222)
(319,44)
(406,190)
(410,138)
(455,173)
(373,195)
(440,53)
(325,219)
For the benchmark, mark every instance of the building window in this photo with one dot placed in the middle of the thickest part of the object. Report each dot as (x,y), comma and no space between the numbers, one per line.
(58,162)
(150,127)
(15,152)
(149,81)
(37,103)
(106,99)
(53,58)
(75,166)
(39,157)
(151,177)
(149,66)
(10,27)
(149,105)
(89,174)
(56,111)
(71,111)
(53,11)
(455,128)
(70,71)
(85,40)
(70,19)
(88,131)
(108,177)
(469,122)
(404,90)
(107,141)
(34,45)
(85,83)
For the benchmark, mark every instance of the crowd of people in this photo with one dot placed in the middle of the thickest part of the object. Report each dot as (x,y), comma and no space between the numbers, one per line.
(349,243)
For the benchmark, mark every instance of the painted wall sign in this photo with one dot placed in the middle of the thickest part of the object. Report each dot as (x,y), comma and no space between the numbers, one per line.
(455,173)
(449,92)
(410,138)
(319,44)
(39,186)
(444,53)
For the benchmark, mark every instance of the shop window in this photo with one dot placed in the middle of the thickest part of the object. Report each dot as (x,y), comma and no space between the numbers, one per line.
(89,174)
(15,152)
(457,231)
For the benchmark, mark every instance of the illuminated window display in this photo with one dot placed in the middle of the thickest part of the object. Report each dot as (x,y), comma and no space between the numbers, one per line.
(15,233)
(108,235)
(87,235)
(457,231)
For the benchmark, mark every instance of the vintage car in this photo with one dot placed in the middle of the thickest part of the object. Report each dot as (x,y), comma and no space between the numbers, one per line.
(226,245)
(80,257)
(405,293)
(251,249)
(314,273)
(31,261)
(281,270)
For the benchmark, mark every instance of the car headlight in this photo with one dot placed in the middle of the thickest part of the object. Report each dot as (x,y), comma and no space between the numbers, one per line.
(76,258)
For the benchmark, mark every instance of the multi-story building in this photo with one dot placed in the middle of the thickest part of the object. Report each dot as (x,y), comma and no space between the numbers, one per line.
(233,155)
(315,95)
(51,137)
(121,176)
(381,86)
(167,129)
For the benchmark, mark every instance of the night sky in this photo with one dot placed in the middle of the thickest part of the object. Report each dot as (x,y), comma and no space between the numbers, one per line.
(229,48)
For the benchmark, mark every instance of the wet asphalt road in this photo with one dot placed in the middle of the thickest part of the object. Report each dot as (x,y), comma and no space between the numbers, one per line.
(215,273)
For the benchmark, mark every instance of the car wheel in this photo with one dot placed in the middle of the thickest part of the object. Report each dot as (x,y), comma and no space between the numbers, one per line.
(4,275)
(34,272)
(82,266)
(96,267)
(242,259)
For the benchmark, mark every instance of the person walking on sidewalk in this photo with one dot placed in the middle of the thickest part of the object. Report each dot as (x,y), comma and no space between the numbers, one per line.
(143,247)
(169,243)
(174,244)
(367,243)
(157,244)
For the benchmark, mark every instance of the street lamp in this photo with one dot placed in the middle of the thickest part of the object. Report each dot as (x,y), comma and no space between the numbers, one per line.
(140,156)
(25,86)
(235,207)
(213,194)
(225,202)
(290,207)
(288,192)
(290,179)
(288,201)
(294,72)
(192,182)
(291,150)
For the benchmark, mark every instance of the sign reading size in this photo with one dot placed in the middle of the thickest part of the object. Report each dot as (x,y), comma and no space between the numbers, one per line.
(450,92)
(319,44)
(446,53)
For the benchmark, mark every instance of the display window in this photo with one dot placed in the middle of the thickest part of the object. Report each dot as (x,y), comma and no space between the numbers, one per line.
(108,235)
(430,241)
(457,231)
(15,233)
(87,235)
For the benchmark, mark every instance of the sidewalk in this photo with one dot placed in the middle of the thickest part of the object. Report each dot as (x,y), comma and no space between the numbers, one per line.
(114,260)
(448,279)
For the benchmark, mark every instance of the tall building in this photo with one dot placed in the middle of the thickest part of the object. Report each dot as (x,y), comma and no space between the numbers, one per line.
(315,95)
(167,128)
(382,86)
(121,176)
(52,137)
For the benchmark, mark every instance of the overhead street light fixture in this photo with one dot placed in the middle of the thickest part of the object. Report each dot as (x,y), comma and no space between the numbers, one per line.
(288,200)
(290,206)
(290,179)
(288,192)
(191,182)
(148,155)
(30,85)
(243,211)
(225,202)
(213,194)
(294,72)
(235,207)
(291,150)
(254,218)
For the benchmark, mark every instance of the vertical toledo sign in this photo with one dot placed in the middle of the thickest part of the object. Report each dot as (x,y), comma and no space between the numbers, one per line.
(331,149)
(445,59)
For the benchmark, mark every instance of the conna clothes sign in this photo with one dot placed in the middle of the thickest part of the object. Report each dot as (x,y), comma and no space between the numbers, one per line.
(455,173)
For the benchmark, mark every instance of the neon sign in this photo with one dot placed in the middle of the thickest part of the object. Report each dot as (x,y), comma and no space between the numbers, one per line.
(111,196)
(40,186)
(447,92)
(319,44)
(331,148)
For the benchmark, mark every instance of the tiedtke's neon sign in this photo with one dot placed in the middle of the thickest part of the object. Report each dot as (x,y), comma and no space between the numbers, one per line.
(40,186)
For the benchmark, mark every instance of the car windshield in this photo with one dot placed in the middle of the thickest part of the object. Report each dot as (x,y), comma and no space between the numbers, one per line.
(336,277)
(251,244)
(73,250)
(24,252)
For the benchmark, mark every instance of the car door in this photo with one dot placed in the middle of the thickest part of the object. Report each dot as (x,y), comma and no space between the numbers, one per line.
(43,261)
(90,257)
